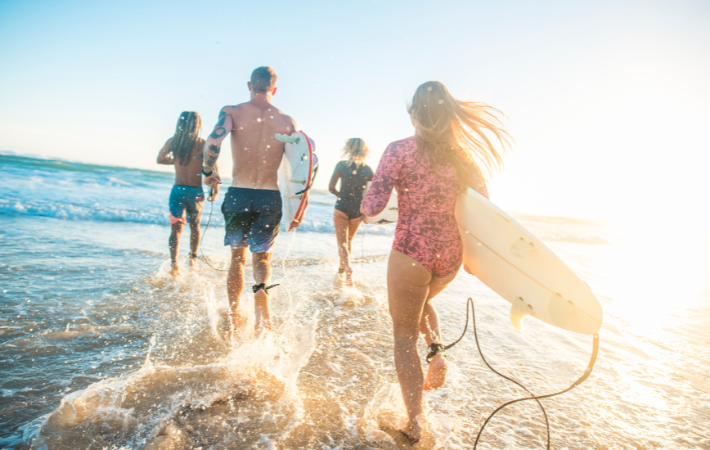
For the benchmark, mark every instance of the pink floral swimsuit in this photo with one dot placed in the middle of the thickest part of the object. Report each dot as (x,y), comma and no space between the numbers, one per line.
(426,192)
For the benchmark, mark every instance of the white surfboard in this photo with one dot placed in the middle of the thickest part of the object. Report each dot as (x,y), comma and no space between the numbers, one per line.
(388,215)
(297,173)
(521,269)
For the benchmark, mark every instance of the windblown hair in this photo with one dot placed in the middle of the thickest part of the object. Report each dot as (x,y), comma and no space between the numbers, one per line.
(356,151)
(186,137)
(458,131)
(263,79)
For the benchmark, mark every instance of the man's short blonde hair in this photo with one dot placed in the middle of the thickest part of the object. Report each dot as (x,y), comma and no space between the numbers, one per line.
(263,79)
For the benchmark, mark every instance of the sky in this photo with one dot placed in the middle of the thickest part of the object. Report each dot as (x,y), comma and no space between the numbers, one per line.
(607,101)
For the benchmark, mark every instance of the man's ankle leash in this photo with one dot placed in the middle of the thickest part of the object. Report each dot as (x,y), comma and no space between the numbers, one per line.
(257,287)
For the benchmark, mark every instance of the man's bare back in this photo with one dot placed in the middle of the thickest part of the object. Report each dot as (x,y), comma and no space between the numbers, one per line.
(256,153)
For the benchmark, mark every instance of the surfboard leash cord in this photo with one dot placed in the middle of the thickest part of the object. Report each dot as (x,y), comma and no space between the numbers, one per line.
(313,180)
(204,232)
(537,398)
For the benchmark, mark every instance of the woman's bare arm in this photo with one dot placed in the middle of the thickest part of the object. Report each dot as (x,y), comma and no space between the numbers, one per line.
(163,157)
(334,182)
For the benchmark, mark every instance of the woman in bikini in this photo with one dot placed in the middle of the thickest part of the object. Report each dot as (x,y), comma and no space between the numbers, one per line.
(184,151)
(451,143)
(353,174)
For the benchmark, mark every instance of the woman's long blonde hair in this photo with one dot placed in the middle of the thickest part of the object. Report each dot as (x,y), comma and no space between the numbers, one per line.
(186,137)
(356,151)
(456,130)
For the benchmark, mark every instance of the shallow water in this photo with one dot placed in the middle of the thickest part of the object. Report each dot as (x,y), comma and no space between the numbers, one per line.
(100,348)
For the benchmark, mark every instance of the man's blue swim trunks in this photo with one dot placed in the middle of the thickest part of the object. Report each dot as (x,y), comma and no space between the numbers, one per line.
(251,217)
(184,198)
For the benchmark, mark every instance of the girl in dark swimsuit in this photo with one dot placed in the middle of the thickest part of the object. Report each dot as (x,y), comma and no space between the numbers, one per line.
(353,174)
(451,142)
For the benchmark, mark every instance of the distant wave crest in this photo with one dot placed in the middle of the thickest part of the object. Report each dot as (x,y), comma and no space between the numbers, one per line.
(152,216)
(79,212)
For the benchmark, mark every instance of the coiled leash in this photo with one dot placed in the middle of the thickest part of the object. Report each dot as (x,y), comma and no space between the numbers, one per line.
(441,349)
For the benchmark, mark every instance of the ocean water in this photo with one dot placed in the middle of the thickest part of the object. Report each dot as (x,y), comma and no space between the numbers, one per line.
(100,348)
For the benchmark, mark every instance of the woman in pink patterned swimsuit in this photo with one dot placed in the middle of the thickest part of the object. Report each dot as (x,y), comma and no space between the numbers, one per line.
(428,171)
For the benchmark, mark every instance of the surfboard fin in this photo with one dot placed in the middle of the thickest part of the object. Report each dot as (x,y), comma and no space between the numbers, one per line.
(518,312)
(286,138)
(521,247)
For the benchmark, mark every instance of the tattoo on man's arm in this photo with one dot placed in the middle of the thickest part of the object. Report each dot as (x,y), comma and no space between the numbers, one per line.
(212,155)
(218,132)
(219,129)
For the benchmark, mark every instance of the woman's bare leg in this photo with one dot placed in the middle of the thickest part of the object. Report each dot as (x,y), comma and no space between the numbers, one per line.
(407,290)
(353,225)
(429,327)
(174,244)
(341,234)
(194,241)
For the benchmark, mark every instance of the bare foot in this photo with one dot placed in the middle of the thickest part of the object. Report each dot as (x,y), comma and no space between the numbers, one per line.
(193,262)
(349,276)
(436,375)
(413,431)
(239,320)
(262,329)
(175,270)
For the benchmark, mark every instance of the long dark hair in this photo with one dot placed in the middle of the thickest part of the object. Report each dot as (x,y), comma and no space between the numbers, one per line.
(457,130)
(186,137)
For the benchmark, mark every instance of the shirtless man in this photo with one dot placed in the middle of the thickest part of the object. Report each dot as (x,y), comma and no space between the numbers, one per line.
(184,151)
(252,206)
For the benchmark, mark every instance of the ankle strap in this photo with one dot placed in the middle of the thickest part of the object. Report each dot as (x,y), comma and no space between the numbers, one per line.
(257,287)
(436,349)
